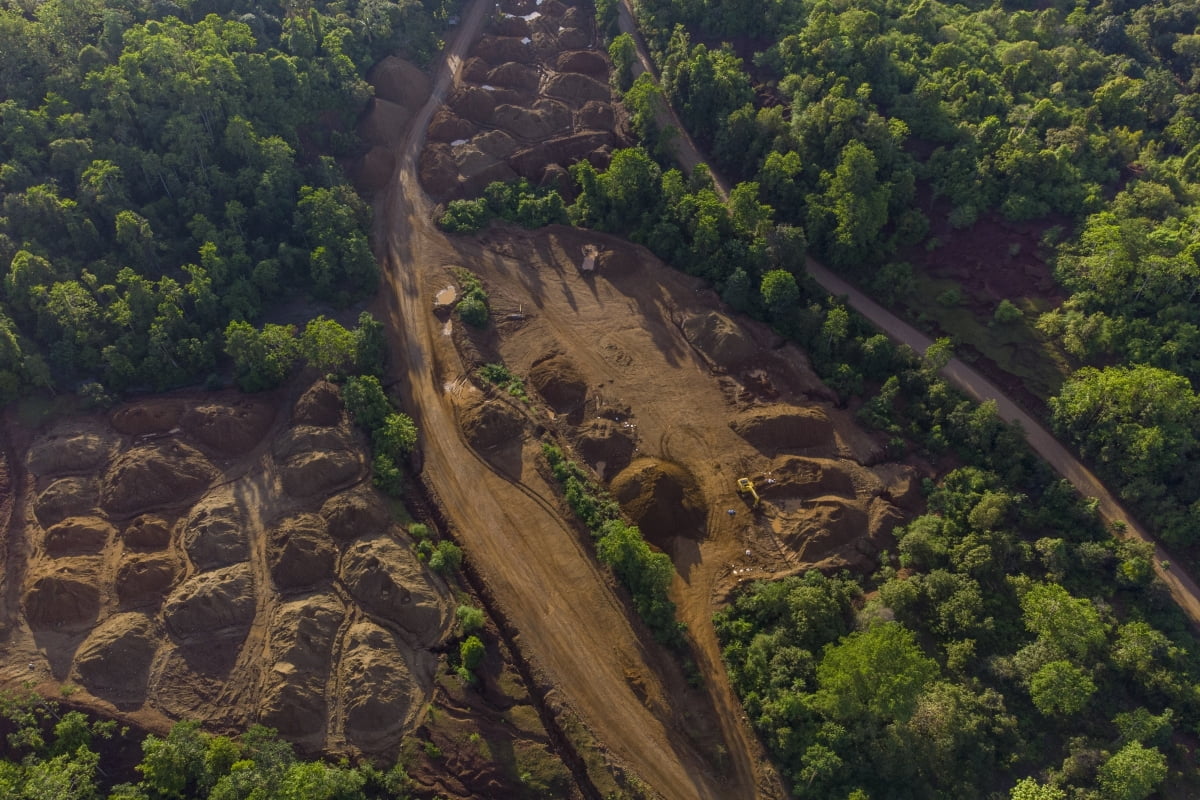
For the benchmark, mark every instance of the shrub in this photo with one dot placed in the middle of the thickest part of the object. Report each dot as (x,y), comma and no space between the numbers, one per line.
(470,619)
(471,652)
(446,558)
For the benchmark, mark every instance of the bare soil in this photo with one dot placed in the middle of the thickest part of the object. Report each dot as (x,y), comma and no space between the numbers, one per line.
(171,559)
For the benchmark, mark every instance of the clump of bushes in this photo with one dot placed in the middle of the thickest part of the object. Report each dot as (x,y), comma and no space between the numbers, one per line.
(473,307)
(500,376)
(646,574)
(518,202)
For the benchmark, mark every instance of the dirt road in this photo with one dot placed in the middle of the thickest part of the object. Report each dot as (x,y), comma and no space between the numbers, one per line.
(569,621)
(1183,589)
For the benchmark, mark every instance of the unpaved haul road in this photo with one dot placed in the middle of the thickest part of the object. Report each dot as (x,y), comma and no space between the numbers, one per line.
(571,625)
(1183,589)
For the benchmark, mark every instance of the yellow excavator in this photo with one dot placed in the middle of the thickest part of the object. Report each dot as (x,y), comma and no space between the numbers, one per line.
(745,487)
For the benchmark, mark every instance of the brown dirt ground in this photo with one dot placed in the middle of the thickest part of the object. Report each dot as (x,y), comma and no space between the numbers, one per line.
(157,560)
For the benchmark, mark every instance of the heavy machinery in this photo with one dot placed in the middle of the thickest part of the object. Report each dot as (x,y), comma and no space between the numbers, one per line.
(746,488)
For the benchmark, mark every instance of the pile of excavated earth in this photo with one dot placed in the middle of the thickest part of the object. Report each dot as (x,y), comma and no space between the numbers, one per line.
(220,558)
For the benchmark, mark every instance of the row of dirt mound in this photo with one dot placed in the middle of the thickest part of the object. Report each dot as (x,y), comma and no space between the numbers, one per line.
(218,560)
(534,99)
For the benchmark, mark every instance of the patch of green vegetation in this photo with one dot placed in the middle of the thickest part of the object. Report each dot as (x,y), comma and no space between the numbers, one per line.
(515,201)
(645,573)
(1015,346)
(473,307)
(499,375)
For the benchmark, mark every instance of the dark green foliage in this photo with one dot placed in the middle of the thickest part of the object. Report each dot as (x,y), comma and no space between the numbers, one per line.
(646,574)
(471,652)
(517,202)
(472,308)
(159,180)
(446,558)
(56,755)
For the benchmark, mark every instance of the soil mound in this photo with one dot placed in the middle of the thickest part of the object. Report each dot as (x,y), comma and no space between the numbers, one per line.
(608,446)
(301,553)
(147,532)
(302,638)
(211,602)
(828,527)
(154,475)
(563,150)
(560,383)
(439,173)
(79,536)
(149,416)
(596,116)
(319,473)
(296,710)
(385,693)
(474,70)
(303,633)
(375,170)
(796,476)
(569,38)
(720,338)
(779,428)
(510,26)
(214,534)
(66,597)
(587,62)
(384,123)
(229,428)
(512,75)
(399,81)
(473,103)
(500,49)
(387,580)
(69,450)
(545,119)
(145,579)
(495,143)
(446,126)
(66,497)
(489,423)
(314,461)
(662,498)
(577,89)
(114,661)
(358,512)
(320,406)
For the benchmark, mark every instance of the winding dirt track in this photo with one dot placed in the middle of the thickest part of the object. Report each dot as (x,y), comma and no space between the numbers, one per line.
(1183,589)
(570,623)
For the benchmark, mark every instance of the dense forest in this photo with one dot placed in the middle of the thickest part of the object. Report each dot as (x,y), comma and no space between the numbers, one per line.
(167,169)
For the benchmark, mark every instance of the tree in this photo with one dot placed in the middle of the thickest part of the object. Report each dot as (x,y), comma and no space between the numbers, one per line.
(366,401)
(261,359)
(471,652)
(623,53)
(370,345)
(779,292)
(1059,689)
(1071,626)
(1029,789)
(396,436)
(1132,773)
(876,674)
(326,345)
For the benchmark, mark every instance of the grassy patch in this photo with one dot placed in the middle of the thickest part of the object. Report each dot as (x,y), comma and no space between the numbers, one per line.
(1016,346)
(500,376)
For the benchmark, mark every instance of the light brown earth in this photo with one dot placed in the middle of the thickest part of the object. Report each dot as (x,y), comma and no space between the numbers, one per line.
(218,557)
(637,371)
